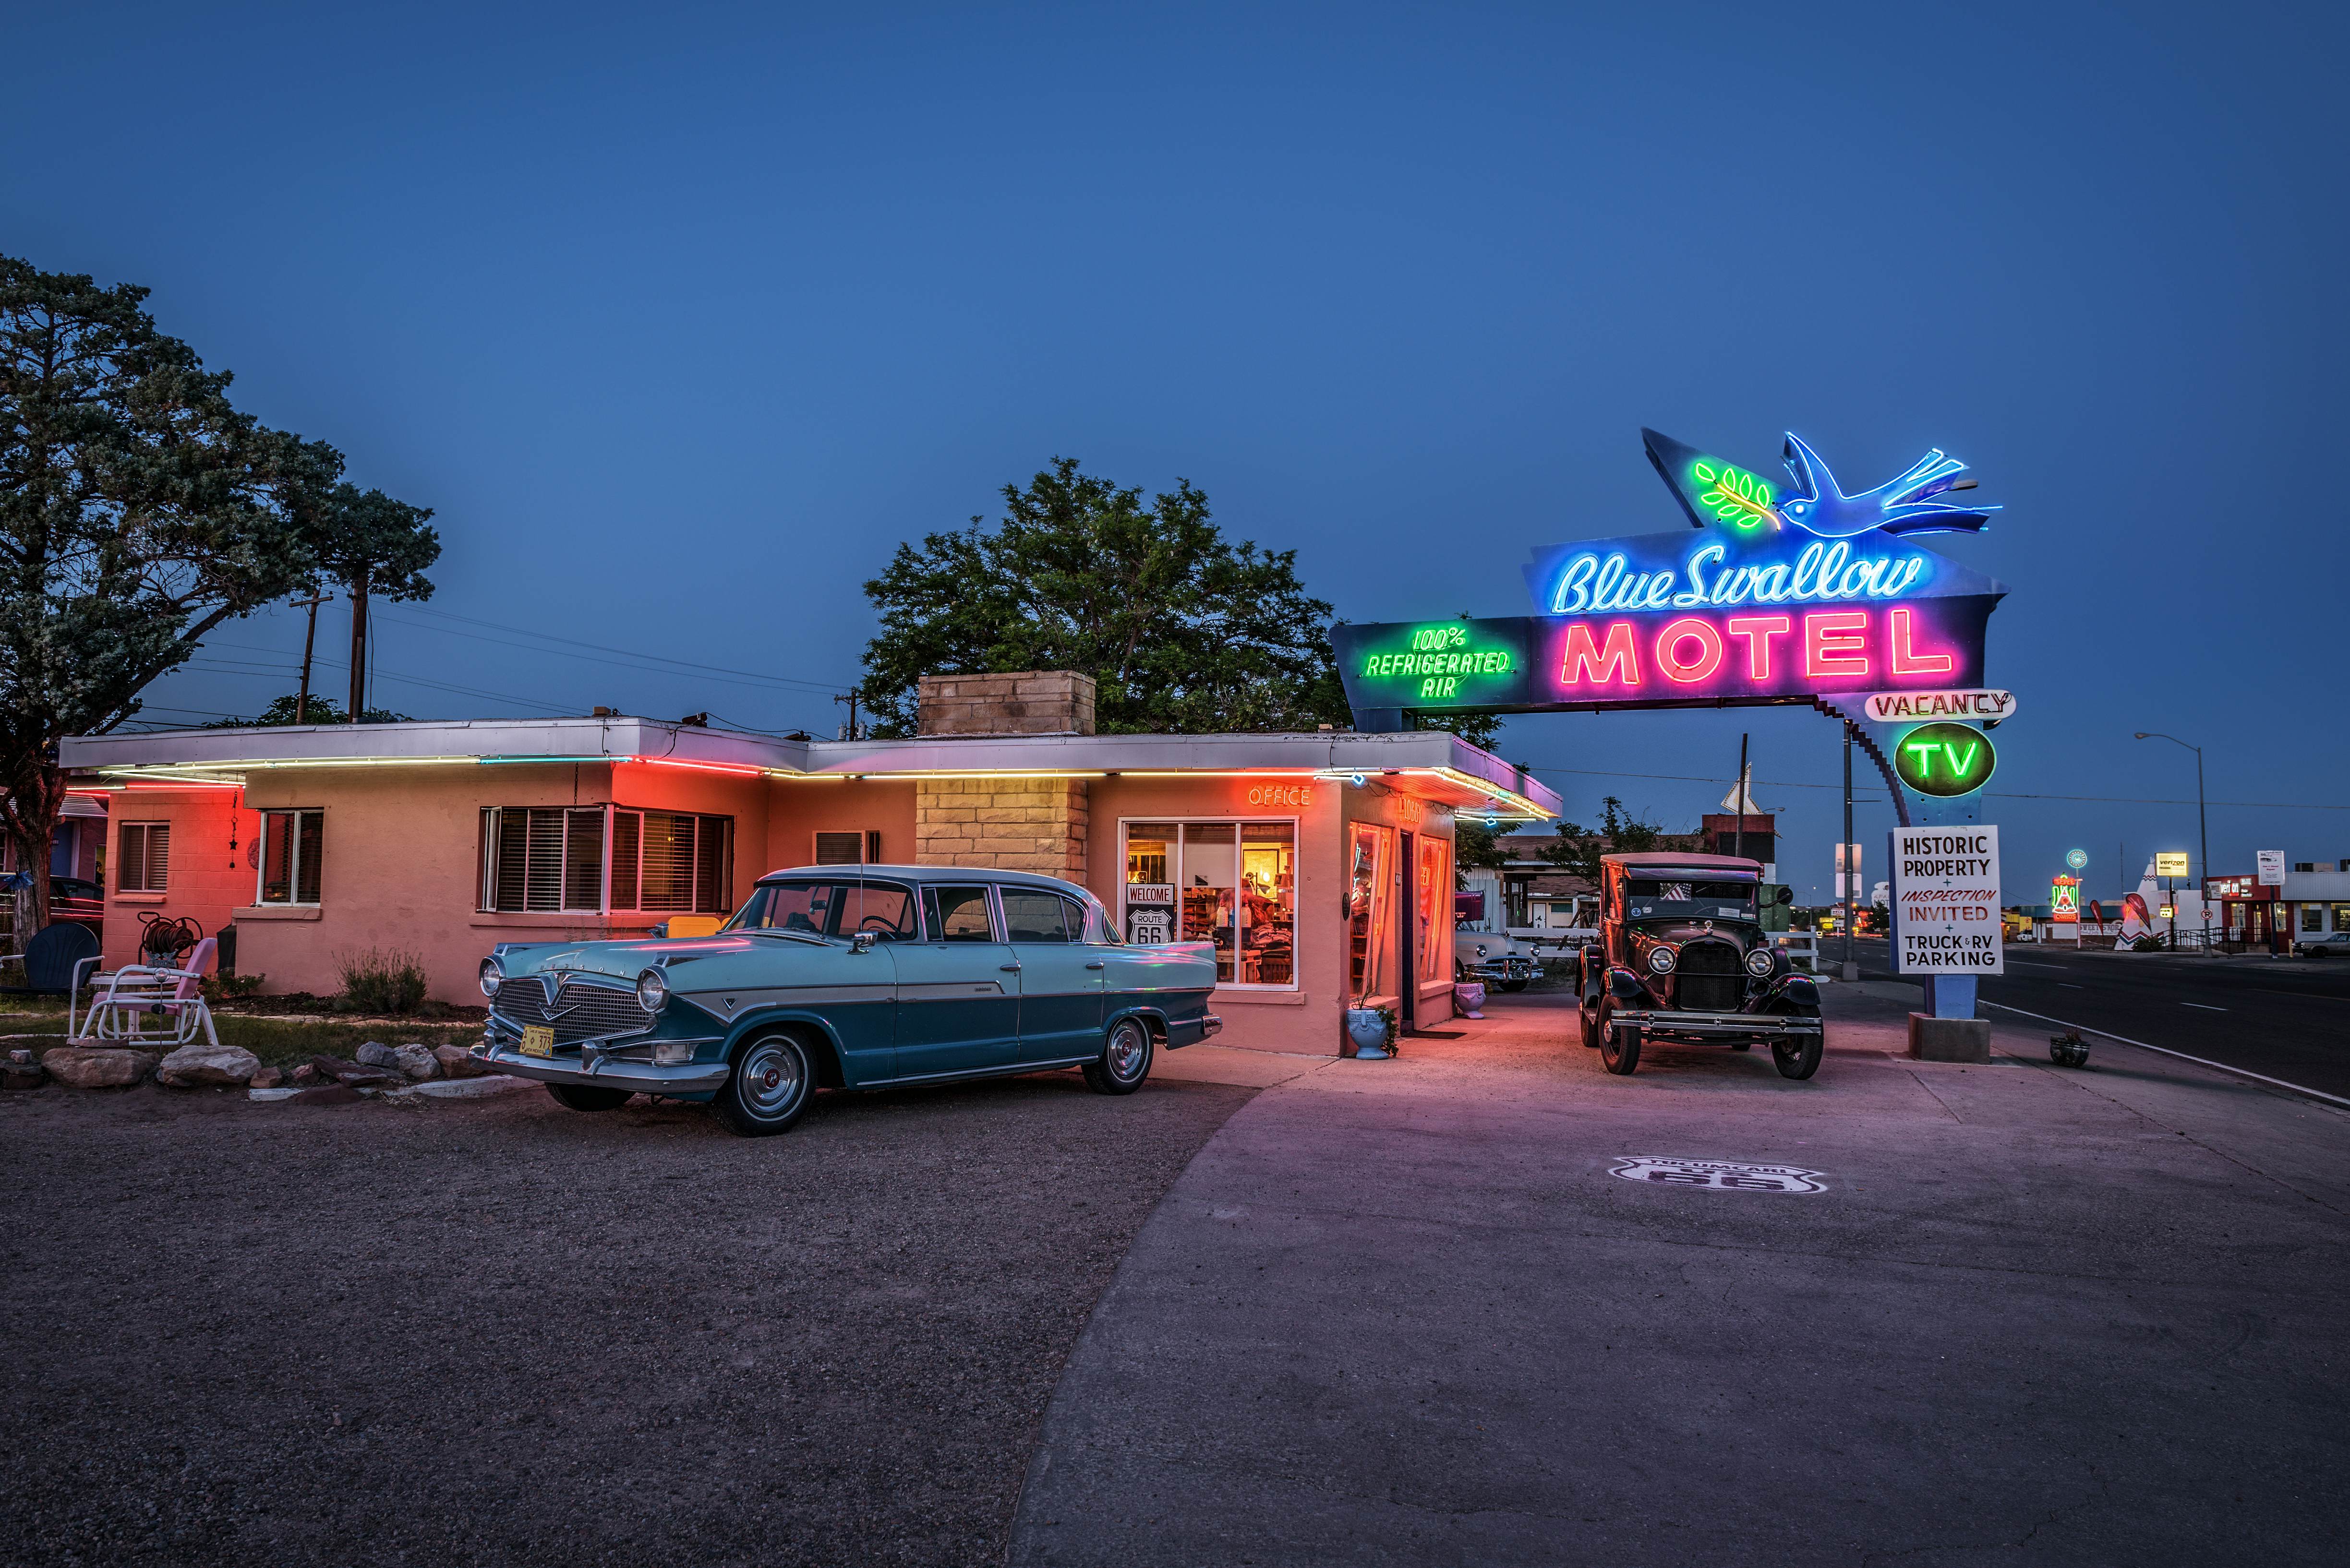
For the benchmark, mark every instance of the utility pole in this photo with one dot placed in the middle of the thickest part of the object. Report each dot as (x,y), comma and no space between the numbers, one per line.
(359,644)
(1738,839)
(309,638)
(2202,879)
(1851,867)
(851,701)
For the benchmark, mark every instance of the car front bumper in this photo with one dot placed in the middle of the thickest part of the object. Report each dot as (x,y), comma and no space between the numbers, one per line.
(1740,1025)
(602,1064)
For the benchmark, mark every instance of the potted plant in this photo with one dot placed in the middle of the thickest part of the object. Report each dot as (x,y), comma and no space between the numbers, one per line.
(1371,1032)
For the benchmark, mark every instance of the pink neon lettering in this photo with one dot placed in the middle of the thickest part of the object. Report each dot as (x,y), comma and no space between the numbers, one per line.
(1835,642)
(1668,646)
(1907,660)
(1586,660)
(1758,630)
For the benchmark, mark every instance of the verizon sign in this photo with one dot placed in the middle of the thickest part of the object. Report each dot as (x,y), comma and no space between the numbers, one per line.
(1946,901)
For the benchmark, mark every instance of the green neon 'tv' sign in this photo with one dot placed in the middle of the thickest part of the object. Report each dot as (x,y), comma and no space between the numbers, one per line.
(1944,759)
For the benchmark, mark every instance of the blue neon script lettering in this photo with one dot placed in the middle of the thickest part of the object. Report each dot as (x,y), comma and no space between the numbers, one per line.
(1824,573)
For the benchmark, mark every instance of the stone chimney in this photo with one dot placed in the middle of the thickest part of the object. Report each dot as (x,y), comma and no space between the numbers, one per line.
(1020,824)
(1028,703)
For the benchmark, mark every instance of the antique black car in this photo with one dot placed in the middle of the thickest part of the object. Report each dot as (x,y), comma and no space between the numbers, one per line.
(1682,959)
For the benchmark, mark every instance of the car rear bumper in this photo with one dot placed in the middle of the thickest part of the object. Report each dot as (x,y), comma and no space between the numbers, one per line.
(1191,1030)
(1744,1025)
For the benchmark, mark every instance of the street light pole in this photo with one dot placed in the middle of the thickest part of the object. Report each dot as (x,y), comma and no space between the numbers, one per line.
(2202,834)
(1850,876)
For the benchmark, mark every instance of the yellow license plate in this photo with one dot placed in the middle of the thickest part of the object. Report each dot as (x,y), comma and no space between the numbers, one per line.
(537,1040)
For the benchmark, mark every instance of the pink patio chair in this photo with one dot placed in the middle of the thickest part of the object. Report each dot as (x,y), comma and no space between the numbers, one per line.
(136,992)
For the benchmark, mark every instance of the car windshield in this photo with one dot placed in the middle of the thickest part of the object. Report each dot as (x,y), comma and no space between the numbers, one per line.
(1670,898)
(885,909)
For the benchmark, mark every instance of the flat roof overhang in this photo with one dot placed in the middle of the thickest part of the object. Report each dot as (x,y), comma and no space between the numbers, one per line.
(1428,764)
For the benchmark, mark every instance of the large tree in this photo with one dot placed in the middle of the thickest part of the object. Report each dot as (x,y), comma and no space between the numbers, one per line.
(373,546)
(1619,832)
(1182,628)
(138,510)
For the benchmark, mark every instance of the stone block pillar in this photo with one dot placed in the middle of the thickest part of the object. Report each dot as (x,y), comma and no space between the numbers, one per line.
(1013,825)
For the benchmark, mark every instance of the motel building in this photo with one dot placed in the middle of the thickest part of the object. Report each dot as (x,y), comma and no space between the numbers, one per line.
(1319,865)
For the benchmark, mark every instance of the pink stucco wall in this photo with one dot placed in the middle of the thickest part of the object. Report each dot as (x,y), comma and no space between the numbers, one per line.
(402,867)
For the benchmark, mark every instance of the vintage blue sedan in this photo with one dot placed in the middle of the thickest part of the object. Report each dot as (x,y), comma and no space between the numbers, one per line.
(853,978)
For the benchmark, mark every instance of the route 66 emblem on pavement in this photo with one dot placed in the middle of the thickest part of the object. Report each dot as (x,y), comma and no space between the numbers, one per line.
(1723,1175)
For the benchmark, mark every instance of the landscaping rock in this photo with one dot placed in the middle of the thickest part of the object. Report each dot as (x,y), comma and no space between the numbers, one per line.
(456,1062)
(24,1074)
(374,1053)
(352,1073)
(20,1055)
(267,1078)
(327,1095)
(192,1066)
(96,1066)
(304,1074)
(417,1061)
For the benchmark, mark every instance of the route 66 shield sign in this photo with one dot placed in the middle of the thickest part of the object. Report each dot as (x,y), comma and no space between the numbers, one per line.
(1722,1175)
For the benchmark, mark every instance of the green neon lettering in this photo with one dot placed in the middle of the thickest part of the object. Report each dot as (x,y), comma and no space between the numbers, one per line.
(1961,768)
(1924,752)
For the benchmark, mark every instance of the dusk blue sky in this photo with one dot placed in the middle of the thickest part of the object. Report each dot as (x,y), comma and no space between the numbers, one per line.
(681,318)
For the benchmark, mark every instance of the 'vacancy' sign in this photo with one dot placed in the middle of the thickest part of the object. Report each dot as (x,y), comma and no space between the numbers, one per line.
(1946,901)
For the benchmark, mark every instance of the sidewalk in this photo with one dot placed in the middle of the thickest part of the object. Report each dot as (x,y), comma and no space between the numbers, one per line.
(1403,1313)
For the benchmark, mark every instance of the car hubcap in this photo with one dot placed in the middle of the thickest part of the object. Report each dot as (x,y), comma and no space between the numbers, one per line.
(771,1078)
(1126,1051)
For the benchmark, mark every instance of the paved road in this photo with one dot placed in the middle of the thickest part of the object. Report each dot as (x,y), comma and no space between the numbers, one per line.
(1407,1314)
(2288,1018)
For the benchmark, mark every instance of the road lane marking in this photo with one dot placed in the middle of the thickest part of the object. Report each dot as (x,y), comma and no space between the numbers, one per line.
(2027,964)
(2204,1005)
(2068,985)
(2166,1051)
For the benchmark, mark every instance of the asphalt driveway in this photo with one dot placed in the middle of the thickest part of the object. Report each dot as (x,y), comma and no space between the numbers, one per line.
(501,1331)
(1407,1313)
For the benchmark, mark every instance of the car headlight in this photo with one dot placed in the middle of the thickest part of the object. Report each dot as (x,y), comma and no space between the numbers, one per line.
(652,990)
(1661,960)
(494,974)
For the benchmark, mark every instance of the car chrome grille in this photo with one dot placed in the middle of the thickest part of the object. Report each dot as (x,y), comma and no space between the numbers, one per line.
(1710,978)
(582,1009)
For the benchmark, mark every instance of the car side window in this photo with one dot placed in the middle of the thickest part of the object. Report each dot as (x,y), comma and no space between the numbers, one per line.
(881,910)
(958,914)
(1033,916)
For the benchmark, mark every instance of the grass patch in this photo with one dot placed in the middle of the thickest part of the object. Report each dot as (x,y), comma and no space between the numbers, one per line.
(278,1042)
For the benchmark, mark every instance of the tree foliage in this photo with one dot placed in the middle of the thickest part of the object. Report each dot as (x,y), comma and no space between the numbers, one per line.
(321,710)
(139,509)
(1619,832)
(1182,628)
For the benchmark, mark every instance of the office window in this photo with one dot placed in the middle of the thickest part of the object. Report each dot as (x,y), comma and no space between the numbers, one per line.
(291,846)
(145,858)
(1232,884)
(2342,919)
(1370,912)
(1432,902)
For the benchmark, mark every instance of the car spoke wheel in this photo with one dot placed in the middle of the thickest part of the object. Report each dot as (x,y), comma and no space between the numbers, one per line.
(769,1088)
(1125,1061)
(589,1097)
(1619,1047)
(1799,1058)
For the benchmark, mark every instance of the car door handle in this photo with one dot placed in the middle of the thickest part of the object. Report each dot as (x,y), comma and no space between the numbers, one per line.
(1094,964)
(1009,968)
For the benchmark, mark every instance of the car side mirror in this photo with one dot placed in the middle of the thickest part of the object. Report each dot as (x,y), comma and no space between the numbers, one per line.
(1787,895)
(861,941)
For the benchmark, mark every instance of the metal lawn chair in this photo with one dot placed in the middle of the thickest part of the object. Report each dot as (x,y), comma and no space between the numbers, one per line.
(53,962)
(135,993)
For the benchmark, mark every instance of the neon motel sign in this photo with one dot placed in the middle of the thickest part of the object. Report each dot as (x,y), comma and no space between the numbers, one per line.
(1781,594)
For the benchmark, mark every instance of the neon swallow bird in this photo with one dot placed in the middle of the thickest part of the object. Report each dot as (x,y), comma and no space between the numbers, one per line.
(1901,506)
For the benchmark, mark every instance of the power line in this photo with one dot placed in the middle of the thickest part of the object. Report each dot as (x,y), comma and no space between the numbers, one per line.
(752,675)
(1995,794)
